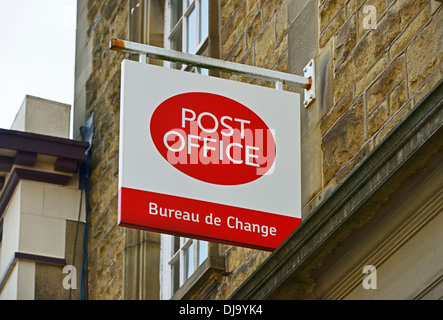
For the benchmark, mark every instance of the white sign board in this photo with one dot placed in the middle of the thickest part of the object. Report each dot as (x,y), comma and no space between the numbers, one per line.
(208,158)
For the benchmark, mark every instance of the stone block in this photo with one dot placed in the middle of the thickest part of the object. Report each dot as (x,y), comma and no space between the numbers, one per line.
(353,5)
(234,258)
(254,29)
(347,168)
(48,283)
(237,51)
(229,34)
(281,22)
(369,76)
(411,31)
(392,122)
(62,203)
(32,197)
(327,33)
(385,82)
(354,66)
(303,44)
(248,266)
(429,83)
(328,9)
(377,118)
(397,97)
(435,4)
(269,9)
(397,16)
(345,40)
(42,235)
(278,60)
(311,166)
(265,43)
(252,4)
(343,140)
(336,112)
(228,9)
(425,53)
(42,116)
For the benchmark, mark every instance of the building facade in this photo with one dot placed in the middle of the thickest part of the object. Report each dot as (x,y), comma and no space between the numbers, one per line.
(42,206)
(371,148)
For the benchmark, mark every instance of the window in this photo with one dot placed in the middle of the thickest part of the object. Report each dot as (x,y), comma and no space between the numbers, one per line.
(187,28)
(181,25)
(190,26)
(181,258)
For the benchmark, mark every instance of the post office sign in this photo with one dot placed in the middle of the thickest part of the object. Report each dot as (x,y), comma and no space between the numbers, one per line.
(208,158)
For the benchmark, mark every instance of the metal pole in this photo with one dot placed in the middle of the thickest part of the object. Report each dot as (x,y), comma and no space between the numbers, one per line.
(144,51)
(142,58)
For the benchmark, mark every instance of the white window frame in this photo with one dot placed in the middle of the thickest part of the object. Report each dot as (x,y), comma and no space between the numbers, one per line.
(168,257)
(182,22)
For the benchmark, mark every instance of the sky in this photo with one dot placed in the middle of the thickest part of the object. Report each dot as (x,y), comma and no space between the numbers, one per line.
(37,53)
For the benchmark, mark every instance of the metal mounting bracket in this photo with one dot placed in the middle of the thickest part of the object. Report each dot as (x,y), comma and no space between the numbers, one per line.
(307,82)
(309,72)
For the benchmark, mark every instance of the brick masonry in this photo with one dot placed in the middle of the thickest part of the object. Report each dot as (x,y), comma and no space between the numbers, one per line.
(369,77)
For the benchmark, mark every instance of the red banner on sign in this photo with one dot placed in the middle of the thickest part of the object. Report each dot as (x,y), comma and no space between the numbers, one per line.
(210,221)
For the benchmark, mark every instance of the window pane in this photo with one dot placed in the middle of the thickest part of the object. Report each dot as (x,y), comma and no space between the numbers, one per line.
(204,19)
(175,276)
(189,260)
(175,245)
(203,71)
(192,32)
(177,40)
(177,44)
(176,11)
(202,251)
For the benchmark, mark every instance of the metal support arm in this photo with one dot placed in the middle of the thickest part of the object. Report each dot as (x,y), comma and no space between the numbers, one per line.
(145,51)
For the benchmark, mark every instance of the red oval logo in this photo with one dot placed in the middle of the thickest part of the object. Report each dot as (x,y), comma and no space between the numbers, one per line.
(213,138)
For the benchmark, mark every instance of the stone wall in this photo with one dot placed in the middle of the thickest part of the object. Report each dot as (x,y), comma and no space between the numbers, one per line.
(378,75)
(105,19)
(253,32)
(370,77)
